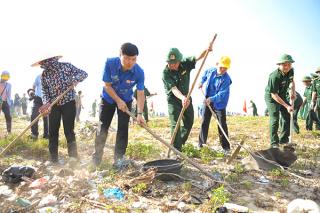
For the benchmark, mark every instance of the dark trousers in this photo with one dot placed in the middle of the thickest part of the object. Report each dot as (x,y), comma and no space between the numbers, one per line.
(78,111)
(37,103)
(6,111)
(24,109)
(221,117)
(106,115)
(68,113)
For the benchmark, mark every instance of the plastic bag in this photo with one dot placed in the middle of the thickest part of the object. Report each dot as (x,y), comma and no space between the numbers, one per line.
(14,173)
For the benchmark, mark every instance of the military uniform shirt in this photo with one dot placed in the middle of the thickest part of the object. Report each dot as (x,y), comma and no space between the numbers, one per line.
(179,78)
(279,83)
(308,93)
(316,87)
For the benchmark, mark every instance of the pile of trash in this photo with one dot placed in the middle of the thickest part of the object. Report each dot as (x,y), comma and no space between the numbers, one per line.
(87,129)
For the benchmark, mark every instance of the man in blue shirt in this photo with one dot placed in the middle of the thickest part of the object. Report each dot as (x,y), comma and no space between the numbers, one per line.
(36,95)
(120,75)
(217,90)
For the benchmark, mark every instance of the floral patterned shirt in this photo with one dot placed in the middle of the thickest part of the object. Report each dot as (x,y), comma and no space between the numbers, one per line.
(57,77)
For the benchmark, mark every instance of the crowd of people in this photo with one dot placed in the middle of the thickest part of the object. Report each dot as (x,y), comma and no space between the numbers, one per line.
(122,74)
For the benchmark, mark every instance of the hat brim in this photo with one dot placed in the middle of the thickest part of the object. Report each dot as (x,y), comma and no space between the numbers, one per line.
(38,63)
(282,62)
(173,61)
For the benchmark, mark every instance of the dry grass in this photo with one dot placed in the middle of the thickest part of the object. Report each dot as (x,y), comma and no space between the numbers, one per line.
(143,147)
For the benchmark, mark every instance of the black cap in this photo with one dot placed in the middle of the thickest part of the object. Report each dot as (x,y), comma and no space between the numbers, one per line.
(129,49)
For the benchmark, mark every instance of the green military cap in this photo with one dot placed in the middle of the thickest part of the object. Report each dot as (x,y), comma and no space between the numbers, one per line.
(314,75)
(306,78)
(174,56)
(285,58)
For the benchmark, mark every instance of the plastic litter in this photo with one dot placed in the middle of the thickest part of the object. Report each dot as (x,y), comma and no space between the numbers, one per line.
(4,190)
(235,208)
(114,193)
(263,180)
(23,202)
(48,200)
(48,209)
(39,183)
(14,173)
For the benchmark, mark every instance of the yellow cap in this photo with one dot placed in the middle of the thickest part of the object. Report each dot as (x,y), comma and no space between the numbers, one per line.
(5,75)
(225,61)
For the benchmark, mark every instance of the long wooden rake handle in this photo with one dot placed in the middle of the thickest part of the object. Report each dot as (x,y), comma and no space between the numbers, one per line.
(189,94)
(175,150)
(34,121)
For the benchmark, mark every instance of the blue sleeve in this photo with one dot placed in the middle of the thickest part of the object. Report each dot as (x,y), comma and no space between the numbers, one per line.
(204,77)
(223,93)
(36,82)
(107,73)
(140,81)
(9,93)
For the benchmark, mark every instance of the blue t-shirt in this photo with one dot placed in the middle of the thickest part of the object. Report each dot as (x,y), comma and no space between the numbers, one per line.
(122,81)
(217,88)
(37,86)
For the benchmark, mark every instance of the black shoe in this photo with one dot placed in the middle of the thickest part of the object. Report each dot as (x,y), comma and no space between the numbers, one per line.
(33,137)
(45,136)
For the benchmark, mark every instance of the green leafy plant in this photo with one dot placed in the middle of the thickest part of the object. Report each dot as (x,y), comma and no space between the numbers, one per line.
(277,173)
(277,195)
(284,182)
(186,186)
(218,197)
(140,188)
(238,168)
(140,150)
(191,151)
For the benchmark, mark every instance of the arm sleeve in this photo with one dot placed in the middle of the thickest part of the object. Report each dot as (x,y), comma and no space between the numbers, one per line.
(168,82)
(107,73)
(190,63)
(9,93)
(273,84)
(45,92)
(204,77)
(77,74)
(140,81)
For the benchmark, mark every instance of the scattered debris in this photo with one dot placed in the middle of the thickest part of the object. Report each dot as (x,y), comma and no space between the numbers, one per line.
(14,173)
(263,180)
(113,193)
(235,208)
(301,205)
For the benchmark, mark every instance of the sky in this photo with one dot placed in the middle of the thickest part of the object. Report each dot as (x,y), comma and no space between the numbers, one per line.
(253,33)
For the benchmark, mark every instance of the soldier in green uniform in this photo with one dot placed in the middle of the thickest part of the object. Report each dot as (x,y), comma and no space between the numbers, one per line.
(254,108)
(315,104)
(311,115)
(147,95)
(176,79)
(275,98)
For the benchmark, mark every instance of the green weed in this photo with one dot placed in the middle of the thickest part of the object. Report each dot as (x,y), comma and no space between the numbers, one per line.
(140,150)
(218,197)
